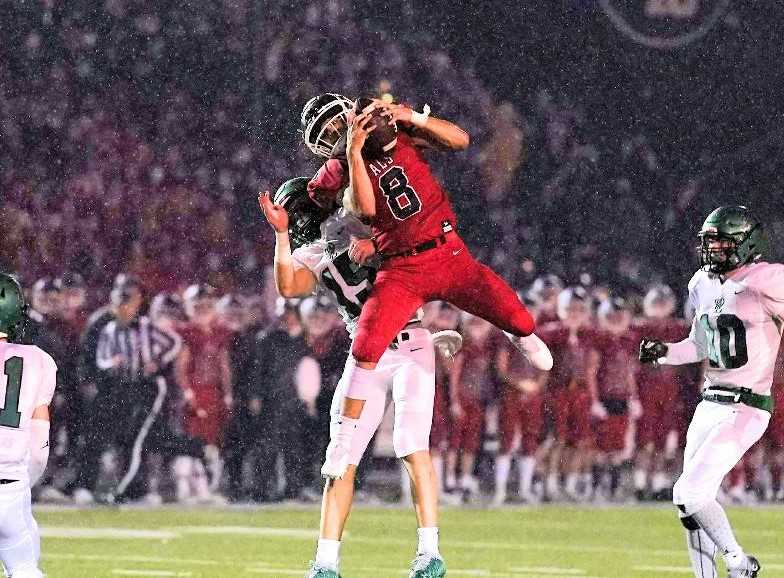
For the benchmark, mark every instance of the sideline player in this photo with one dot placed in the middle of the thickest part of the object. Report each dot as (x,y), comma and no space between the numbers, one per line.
(413,228)
(738,302)
(325,255)
(28,381)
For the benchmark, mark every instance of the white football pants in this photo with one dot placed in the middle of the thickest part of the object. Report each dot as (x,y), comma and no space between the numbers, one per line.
(20,543)
(410,371)
(718,436)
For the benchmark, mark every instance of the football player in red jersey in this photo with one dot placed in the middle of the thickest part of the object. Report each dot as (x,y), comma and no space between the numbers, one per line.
(521,419)
(469,385)
(204,373)
(617,389)
(571,395)
(659,392)
(424,258)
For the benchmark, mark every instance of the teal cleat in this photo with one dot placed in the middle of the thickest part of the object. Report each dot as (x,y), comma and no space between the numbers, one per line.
(319,572)
(427,566)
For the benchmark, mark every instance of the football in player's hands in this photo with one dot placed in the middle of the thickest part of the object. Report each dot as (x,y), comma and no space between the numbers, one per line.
(384,136)
(651,350)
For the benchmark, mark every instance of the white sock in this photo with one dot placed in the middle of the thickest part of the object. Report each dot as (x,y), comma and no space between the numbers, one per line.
(702,553)
(502,466)
(571,483)
(552,485)
(713,519)
(328,554)
(428,541)
(640,479)
(527,469)
(661,481)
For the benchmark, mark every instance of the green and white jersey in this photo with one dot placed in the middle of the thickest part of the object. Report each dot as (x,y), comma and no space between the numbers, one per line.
(328,259)
(27,380)
(737,326)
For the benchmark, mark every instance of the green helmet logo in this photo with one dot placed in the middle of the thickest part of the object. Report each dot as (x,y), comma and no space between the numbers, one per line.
(12,307)
(730,237)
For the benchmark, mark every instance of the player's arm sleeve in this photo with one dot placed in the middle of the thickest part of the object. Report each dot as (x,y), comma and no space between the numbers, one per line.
(693,349)
(327,185)
(104,354)
(773,290)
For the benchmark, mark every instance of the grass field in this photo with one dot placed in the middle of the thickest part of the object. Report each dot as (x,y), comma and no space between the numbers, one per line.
(546,542)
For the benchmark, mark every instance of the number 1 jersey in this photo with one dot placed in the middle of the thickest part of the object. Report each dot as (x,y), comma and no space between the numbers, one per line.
(411,206)
(27,380)
(328,260)
(738,324)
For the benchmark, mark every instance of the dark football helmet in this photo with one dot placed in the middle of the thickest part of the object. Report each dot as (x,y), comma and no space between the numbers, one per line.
(13,308)
(730,237)
(305,216)
(325,121)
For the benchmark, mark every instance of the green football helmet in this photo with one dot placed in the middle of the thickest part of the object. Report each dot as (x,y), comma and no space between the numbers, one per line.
(305,216)
(13,309)
(730,237)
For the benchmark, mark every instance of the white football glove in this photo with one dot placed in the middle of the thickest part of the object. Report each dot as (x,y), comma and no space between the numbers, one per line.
(335,462)
(533,349)
(448,342)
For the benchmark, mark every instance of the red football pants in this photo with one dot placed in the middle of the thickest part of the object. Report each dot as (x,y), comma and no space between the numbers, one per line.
(446,273)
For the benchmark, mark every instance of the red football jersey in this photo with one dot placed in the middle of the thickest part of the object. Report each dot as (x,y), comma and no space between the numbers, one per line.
(570,353)
(617,363)
(411,206)
(206,351)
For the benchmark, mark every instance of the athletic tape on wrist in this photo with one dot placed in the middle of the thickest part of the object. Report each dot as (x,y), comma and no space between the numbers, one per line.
(420,118)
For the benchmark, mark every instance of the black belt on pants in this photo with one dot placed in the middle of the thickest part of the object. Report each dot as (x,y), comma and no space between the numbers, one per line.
(427,245)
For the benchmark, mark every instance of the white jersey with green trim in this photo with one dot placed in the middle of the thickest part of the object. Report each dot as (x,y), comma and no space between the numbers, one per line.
(737,326)
(27,380)
(328,259)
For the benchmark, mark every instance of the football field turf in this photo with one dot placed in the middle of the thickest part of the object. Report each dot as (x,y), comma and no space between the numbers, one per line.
(545,542)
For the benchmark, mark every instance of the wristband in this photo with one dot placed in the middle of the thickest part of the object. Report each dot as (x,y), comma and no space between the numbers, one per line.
(282,248)
(420,118)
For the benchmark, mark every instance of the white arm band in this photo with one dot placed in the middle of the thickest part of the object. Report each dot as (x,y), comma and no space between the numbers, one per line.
(39,449)
(283,249)
(683,352)
(420,118)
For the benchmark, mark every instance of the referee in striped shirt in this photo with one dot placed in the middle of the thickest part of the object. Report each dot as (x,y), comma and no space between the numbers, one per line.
(133,355)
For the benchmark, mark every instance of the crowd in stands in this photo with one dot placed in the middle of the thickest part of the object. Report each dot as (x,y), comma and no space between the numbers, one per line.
(134,139)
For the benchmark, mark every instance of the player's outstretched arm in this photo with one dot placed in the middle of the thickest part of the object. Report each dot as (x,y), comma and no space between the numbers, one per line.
(443,132)
(290,281)
(362,198)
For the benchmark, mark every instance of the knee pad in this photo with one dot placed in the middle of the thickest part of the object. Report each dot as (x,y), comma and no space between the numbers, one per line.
(687,520)
(412,434)
(363,383)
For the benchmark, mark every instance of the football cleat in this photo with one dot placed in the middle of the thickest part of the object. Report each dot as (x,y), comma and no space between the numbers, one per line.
(319,572)
(749,568)
(427,566)
(448,342)
(534,350)
(335,461)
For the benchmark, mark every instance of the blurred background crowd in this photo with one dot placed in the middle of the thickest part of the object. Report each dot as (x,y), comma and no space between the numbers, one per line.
(198,397)
(134,137)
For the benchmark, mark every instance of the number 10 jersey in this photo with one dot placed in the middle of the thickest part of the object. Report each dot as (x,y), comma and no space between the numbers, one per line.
(738,325)
(27,380)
